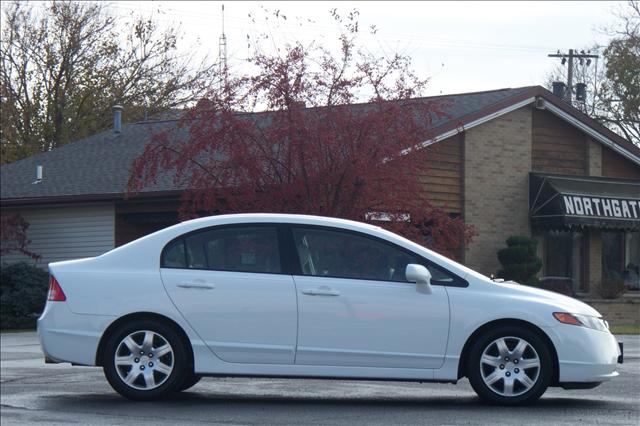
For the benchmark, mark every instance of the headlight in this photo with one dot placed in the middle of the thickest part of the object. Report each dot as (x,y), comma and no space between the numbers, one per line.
(588,321)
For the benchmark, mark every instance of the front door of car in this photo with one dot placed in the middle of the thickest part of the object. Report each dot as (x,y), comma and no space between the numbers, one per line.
(356,307)
(228,284)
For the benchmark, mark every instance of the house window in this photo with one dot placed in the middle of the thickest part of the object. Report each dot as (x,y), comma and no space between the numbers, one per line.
(631,273)
(621,259)
(562,258)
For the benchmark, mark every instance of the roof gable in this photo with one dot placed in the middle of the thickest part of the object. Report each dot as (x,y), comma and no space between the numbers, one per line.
(543,99)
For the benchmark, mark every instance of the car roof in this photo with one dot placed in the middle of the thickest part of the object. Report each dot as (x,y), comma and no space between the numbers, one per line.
(278,218)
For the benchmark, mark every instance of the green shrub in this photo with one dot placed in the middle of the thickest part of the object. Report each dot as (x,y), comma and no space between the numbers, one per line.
(23,293)
(611,288)
(519,260)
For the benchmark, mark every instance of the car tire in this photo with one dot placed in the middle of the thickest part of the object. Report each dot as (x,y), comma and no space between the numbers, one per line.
(144,360)
(189,381)
(509,366)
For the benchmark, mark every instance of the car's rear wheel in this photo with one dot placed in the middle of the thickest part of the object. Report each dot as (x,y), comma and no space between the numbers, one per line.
(190,381)
(509,365)
(144,360)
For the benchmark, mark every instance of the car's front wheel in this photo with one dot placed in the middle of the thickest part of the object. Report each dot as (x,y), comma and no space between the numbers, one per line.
(509,365)
(144,360)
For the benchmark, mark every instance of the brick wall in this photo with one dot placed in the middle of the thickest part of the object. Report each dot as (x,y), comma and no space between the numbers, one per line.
(618,312)
(497,163)
(594,259)
(593,255)
(594,158)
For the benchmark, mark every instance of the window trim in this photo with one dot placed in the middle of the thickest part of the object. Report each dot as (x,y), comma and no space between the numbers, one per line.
(279,228)
(289,261)
(627,237)
(296,270)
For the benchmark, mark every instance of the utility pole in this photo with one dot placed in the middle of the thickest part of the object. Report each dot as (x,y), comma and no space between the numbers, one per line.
(573,54)
(222,54)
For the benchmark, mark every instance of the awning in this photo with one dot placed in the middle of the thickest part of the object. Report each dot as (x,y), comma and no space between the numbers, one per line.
(565,202)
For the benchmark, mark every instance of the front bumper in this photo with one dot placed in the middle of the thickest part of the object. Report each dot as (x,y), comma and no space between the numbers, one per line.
(621,356)
(584,355)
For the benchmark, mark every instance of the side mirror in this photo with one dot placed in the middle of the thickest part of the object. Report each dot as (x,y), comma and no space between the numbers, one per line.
(420,275)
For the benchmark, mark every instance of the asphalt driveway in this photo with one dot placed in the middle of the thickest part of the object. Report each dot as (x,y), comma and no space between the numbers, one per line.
(35,393)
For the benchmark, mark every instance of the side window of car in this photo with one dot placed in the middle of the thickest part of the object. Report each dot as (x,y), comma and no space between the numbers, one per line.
(343,254)
(347,255)
(440,276)
(236,249)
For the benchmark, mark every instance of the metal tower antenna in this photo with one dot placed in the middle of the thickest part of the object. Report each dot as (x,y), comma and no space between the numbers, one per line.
(222,52)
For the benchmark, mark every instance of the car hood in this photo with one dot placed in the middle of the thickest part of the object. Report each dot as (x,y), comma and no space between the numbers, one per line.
(560,301)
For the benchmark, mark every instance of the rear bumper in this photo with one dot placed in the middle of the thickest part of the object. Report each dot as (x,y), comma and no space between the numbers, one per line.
(68,337)
(49,360)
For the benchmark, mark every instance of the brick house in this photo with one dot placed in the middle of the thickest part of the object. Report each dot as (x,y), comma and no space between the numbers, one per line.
(499,154)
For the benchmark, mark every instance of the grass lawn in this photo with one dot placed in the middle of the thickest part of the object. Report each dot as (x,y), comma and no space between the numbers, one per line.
(17,330)
(625,329)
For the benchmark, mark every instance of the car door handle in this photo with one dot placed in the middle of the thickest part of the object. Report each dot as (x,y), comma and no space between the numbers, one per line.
(320,292)
(200,286)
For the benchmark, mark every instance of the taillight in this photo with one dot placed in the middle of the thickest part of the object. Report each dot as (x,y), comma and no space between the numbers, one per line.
(55,291)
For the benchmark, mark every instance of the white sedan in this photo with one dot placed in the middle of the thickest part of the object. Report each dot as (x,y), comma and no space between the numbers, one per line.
(301,296)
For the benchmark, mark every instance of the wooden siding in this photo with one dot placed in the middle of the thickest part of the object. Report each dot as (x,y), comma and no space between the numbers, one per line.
(69,232)
(615,165)
(442,176)
(557,147)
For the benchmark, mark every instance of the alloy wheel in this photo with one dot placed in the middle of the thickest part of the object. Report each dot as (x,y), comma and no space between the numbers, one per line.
(144,360)
(510,366)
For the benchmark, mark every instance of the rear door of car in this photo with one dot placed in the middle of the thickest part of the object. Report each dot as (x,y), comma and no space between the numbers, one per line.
(356,308)
(228,283)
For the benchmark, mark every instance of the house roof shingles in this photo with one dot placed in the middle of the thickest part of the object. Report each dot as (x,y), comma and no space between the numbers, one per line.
(98,167)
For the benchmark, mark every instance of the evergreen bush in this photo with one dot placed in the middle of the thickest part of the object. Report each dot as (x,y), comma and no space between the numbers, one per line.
(23,293)
(519,260)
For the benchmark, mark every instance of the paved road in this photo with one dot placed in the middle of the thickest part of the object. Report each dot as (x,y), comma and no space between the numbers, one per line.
(35,393)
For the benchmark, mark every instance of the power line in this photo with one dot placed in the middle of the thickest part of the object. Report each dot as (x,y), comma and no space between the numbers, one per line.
(319,29)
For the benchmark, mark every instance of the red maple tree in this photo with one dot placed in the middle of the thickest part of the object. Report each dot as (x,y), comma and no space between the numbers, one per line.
(313,150)
(13,235)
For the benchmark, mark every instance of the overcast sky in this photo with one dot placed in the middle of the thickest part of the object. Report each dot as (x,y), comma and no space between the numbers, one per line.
(462,46)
